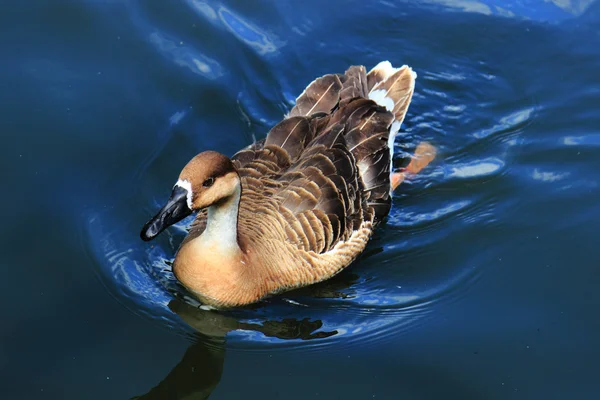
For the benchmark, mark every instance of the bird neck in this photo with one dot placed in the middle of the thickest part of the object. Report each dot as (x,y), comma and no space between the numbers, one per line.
(222,224)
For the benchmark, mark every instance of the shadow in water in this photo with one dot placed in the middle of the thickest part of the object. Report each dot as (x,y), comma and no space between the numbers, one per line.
(195,376)
(199,371)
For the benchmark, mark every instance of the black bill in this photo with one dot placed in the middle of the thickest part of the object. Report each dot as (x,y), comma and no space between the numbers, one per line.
(174,211)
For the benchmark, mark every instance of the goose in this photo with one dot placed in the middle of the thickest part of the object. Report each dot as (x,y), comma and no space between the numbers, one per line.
(300,205)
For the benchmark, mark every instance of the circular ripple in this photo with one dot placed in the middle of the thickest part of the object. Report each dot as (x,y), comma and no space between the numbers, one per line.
(410,268)
(369,301)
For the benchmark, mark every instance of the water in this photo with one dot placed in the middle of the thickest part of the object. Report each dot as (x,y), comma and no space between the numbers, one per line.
(482,283)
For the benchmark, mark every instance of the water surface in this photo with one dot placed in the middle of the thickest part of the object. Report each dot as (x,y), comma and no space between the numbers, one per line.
(481,284)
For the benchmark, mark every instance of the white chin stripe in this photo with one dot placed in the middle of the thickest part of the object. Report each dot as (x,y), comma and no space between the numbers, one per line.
(184,184)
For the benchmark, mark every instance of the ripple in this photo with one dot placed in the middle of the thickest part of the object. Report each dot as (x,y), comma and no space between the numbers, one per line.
(412,218)
(551,10)
(466,5)
(587,140)
(246,32)
(185,56)
(477,169)
(410,267)
(356,306)
(242,29)
(176,118)
(203,9)
(509,123)
(546,176)
(445,76)
(575,7)
(455,108)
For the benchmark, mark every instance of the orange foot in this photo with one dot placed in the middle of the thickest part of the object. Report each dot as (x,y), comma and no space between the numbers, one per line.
(424,154)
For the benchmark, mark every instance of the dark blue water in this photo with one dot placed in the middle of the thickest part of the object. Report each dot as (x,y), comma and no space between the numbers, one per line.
(483,283)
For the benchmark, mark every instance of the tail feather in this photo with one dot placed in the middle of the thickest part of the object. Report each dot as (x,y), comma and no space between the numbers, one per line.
(379,73)
(392,88)
(355,113)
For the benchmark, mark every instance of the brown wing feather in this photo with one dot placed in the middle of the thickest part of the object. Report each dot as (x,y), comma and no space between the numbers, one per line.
(328,164)
(355,84)
(292,135)
(321,96)
(329,161)
(326,168)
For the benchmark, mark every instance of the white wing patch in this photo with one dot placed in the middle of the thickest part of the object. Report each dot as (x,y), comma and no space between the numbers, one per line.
(378,96)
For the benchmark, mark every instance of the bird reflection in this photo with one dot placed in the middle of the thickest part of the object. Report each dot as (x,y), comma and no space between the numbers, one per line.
(199,371)
(212,324)
(195,376)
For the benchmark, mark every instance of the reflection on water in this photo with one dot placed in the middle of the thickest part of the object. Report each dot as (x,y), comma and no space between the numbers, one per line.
(214,324)
(200,369)
(195,376)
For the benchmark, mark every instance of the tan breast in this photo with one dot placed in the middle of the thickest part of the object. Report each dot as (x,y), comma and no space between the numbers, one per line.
(216,278)
(267,265)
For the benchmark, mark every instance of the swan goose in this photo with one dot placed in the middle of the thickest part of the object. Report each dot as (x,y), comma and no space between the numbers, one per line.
(300,205)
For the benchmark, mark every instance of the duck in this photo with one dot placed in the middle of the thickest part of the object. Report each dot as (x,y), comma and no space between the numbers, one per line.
(300,205)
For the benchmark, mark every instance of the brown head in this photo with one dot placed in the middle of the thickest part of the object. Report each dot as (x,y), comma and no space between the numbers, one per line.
(207,179)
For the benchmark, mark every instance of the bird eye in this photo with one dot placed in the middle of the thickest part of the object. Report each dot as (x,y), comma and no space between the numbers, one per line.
(208,183)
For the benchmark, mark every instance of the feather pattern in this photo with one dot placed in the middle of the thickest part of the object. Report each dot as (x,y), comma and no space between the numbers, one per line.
(321,96)
(317,185)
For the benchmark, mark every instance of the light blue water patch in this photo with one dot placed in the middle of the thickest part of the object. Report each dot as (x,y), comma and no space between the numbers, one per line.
(548,10)
(592,139)
(203,9)
(177,117)
(246,32)
(185,56)
(547,176)
(476,169)
(509,123)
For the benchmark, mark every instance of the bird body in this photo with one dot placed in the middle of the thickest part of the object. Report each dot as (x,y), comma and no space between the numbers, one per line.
(299,206)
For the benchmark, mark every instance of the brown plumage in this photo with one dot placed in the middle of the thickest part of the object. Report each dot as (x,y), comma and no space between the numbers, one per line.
(299,206)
